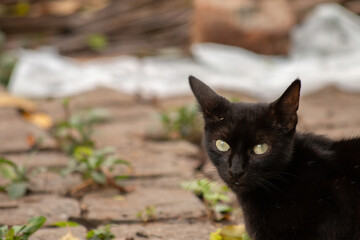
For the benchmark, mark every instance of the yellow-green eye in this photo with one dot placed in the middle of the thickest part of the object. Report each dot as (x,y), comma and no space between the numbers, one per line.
(222,146)
(261,148)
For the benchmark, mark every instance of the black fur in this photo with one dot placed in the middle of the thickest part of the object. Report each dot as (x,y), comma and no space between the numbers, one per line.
(305,187)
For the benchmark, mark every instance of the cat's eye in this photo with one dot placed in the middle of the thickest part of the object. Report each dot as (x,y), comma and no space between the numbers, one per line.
(222,146)
(261,148)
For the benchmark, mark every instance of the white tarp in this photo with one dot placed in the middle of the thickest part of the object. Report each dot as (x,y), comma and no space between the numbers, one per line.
(325,51)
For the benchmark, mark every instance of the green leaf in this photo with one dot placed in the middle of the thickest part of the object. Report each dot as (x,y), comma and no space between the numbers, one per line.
(121,177)
(10,234)
(16,189)
(98,177)
(8,169)
(82,152)
(3,231)
(22,8)
(66,224)
(216,235)
(33,225)
(97,42)
(90,234)
(5,161)
(121,161)
(223,208)
(8,172)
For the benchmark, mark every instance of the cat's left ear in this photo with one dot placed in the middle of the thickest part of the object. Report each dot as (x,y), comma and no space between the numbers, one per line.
(212,105)
(284,109)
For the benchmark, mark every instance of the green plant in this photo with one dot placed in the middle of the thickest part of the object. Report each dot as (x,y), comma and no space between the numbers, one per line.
(77,129)
(234,232)
(16,175)
(102,233)
(214,195)
(7,62)
(66,224)
(182,123)
(22,232)
(146,214)
(95,164)
(97,42)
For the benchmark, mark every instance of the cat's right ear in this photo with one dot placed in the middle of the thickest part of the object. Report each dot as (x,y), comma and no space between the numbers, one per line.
(284,109)
(212,105)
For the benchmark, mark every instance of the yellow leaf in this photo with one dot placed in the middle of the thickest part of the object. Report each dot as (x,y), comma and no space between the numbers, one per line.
(41,120)
(6,100)
(69,236)
(234,232)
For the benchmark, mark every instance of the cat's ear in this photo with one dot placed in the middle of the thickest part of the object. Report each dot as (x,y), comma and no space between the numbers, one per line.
(284,109)
(212,105)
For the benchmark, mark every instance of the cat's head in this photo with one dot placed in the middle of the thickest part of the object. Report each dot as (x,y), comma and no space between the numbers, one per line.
(248,143)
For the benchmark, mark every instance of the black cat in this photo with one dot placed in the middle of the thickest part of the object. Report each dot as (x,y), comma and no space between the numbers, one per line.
(291,186)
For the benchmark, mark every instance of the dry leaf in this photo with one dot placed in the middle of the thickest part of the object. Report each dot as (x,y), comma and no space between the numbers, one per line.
(41,120)
(6,100)
(69,236)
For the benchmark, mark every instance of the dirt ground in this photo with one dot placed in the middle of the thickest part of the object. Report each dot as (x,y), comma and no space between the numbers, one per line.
(158,167)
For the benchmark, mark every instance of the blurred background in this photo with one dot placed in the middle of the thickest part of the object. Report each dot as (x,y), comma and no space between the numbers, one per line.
(145,27)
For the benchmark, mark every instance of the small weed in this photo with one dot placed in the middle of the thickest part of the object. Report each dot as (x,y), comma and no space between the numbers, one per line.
(148,213)
(74,136)
(66,224)
(77,129)
(214,195)
(7,62)
(184,123)
(94,164)
(102,233)
(22,232)
(96,167)
(230,232)
(16,175)
(97,42)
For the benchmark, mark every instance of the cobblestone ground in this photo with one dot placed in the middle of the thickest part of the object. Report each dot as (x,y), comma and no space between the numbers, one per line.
(158,167)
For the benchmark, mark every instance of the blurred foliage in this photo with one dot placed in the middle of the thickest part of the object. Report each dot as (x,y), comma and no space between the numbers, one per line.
(97,42)
(22,8)
(16,176)
(183,123)
(102,233)
(214,195)
(7,62)
(22,232)
(231,232)
(146,214)
(66,224)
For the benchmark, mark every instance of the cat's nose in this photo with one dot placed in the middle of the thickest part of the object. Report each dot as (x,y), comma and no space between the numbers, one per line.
(236,174)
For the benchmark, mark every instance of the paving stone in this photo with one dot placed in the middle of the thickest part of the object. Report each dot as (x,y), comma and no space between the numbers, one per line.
(101,97)
(164,182)
(169,203)
(52,207)
(166,231)
(17,131)
(50,182)
(40,159)
(119,134)
(329,109)
(178,147)
(58,233)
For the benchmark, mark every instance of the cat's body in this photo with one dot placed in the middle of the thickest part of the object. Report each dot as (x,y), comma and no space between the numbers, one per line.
(290,186)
